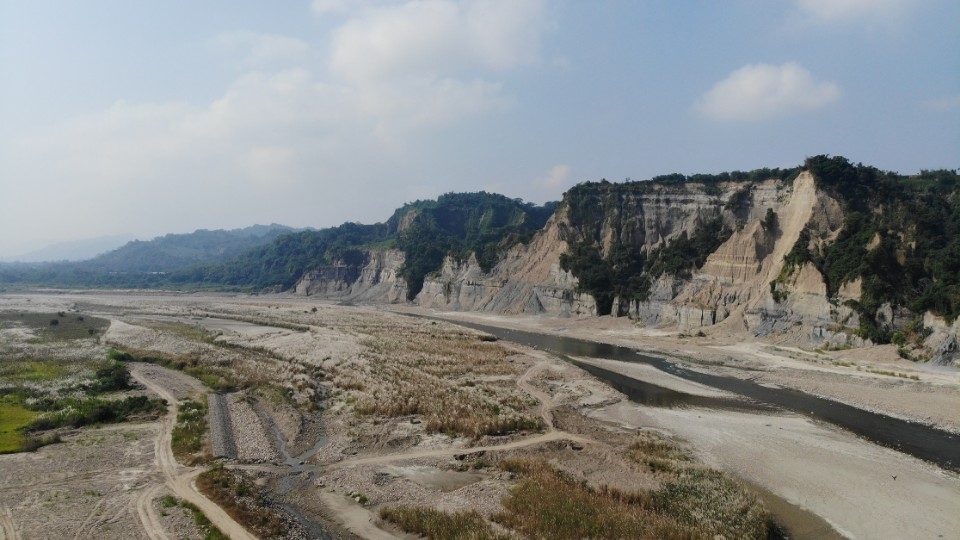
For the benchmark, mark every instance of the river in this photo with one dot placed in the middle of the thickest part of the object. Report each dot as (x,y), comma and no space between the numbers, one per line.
(922,441)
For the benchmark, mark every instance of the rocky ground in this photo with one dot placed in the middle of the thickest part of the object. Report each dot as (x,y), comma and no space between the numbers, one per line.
(820,479)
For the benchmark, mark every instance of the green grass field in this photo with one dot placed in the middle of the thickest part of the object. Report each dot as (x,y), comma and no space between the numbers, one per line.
(12,418)
(31,371)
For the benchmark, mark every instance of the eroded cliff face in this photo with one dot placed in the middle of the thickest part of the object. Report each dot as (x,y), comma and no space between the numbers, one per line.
(377,281)
(528,279)
(744,286)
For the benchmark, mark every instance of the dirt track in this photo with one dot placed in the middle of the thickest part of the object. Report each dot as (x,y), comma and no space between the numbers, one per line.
(182,483)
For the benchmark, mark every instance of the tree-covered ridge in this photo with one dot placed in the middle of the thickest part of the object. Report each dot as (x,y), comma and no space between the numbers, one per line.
(175,251)
(901,235)
(279,264)
(144,264)
(456,224)
(460,224)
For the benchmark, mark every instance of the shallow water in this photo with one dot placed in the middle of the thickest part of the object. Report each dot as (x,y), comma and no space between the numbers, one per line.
(921,441)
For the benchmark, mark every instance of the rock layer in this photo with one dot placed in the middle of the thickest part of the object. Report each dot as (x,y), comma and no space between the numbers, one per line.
(744,286)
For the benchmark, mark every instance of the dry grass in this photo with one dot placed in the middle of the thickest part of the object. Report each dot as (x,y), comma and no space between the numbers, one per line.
(441,373)
(243,500)
(706,500)
(713,504)
(548,503)
(656,453)
(697,503)
(436,524)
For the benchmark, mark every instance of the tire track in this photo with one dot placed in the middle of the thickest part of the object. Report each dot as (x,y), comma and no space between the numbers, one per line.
(8,529)
(181,483)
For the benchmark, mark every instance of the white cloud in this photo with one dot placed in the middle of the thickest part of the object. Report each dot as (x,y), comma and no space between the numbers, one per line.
(428,62)
(259,50)
(759,92)
(279,131)
(944,104)
(558,177)
(832,11)
(437,37)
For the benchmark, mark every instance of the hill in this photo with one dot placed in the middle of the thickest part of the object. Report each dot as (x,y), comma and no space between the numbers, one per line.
(829,254)
(454,225)
(144,263)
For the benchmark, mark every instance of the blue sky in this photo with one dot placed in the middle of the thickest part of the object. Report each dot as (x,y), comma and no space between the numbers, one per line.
(152,117)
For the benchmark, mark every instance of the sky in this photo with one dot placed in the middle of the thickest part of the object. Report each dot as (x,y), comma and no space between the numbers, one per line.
(147,118)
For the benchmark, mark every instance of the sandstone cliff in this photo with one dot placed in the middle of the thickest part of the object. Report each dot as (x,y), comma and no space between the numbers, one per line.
(377,280)
(689,256)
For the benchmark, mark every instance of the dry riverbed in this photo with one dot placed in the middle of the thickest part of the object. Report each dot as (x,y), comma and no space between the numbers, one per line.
(342,415)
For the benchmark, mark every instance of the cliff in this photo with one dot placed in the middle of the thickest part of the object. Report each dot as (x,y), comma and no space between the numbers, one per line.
(809,255)
(375,280)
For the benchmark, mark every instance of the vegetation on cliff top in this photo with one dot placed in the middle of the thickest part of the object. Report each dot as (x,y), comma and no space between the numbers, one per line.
(901,236)
(461,224)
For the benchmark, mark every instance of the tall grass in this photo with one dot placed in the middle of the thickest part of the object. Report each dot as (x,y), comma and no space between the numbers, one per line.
(697,503)
(436,524)
(459,383)
(713,504)
(548,503)
(657,454)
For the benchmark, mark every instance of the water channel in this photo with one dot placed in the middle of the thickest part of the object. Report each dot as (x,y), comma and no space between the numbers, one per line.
(922,441)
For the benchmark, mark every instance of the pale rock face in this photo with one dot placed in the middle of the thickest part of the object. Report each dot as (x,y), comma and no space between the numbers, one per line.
(378,280)
(943,340)
(851,290)
(732,290)
(528,279)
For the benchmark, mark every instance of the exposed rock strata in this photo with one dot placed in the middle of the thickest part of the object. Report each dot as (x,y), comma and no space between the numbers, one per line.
(743,287)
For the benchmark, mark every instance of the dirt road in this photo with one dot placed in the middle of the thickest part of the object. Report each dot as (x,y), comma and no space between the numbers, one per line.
(179,479)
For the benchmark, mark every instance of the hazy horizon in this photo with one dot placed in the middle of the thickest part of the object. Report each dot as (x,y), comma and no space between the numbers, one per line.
(148,119)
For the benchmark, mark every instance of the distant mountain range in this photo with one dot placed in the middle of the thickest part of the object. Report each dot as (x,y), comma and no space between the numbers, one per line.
(76,250)
(138,263)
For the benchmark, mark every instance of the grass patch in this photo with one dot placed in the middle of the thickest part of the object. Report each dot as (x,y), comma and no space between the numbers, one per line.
(548,503)
(698,503)
(436,524)
(40,395)
(76,412)
(706,500)
(31,371)
(217,378)
(189,433)
(713,504)
(13,419)
(243,500)
(656,453)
